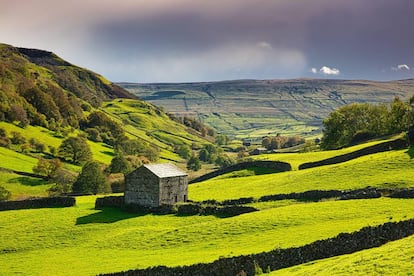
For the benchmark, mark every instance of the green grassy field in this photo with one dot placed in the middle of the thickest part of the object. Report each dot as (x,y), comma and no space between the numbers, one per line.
(394,258)
(23,186)
(394,169)
(45,241)
(295,159)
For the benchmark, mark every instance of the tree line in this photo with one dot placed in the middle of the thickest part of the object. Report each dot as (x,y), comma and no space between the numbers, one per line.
(357,122)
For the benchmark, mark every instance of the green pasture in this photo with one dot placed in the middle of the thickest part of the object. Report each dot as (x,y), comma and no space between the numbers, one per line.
(83,241)
(393,258)
(100,151)
(16,161)
(295,159)
(22,187)
(393,169)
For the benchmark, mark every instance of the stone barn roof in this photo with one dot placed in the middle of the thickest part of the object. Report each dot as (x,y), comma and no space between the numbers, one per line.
(165,170)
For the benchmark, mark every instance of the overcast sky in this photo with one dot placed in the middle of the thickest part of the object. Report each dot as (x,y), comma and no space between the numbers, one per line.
(198,40)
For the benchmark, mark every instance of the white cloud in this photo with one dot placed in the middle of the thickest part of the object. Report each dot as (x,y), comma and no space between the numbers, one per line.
(329,71)
(401,67)
(325,70)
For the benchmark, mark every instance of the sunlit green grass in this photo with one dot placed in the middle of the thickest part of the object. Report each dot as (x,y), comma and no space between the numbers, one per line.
(394,258)
(22,187)
(295,159)
(45,241)
(387,170)
(16,161)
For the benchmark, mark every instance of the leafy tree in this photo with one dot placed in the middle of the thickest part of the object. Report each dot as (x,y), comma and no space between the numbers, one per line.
(4,194)
(37,145)
(223,161)
(221,140)
(64,180)
(130,146)
(75,150)
(3,133)
(194,163)
(91,180)
(151,153)
(17,138)
(204,155)
(184,151)
(119,164)
(18,113)
(48,167)
(93,134)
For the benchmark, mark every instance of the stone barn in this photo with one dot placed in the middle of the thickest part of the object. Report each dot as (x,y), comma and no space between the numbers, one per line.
(153,185)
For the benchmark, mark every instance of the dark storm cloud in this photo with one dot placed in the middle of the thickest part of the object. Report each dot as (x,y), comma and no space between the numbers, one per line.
(187,40)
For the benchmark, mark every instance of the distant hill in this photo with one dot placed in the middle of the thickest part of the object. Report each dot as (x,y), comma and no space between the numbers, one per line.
(46,87)
(260,107)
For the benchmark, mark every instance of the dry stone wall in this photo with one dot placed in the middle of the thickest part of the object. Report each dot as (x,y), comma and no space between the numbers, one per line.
(44,202)
(278,166)
(345,243)
(386,146)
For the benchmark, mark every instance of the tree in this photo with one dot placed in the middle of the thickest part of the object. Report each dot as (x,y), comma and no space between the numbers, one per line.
(91,180)
(64,180)
(17,138)
(4,194)
(223,161)
(193,163)
(151,153)
(221,140)
(47,168)
(184,151)
(119,164)
(75,150)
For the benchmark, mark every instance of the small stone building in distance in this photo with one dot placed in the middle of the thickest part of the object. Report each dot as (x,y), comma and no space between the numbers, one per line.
(153,185)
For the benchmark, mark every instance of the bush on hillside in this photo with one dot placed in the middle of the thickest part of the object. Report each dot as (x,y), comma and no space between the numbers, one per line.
(4,194)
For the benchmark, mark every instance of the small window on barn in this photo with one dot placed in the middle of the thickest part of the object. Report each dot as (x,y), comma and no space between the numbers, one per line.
(185,198)
(175,199)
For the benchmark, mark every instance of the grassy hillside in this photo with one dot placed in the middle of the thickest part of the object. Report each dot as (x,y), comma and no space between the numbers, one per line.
(392,258)
(44,241)
(141,120)
(255,108)
(387,170)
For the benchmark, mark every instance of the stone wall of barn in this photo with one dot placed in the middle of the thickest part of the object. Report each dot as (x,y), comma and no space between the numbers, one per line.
(142,188)
(173,190)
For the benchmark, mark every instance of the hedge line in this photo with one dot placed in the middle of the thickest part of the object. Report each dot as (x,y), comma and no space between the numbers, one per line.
(344,243)
(276,165)
(44,202)
(386,146)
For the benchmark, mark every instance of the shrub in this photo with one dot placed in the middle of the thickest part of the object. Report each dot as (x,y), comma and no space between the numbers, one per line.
(4,194)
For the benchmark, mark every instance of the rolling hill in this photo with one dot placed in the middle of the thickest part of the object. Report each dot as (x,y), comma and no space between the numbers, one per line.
(46,98)
(255,108)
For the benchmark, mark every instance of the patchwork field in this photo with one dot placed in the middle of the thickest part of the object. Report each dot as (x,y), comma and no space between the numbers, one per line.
(255,108)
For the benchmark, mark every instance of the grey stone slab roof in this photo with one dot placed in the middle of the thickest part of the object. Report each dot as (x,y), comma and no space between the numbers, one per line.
(165,170)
